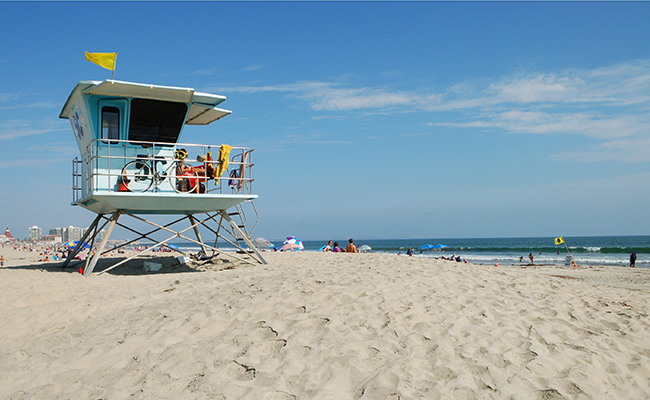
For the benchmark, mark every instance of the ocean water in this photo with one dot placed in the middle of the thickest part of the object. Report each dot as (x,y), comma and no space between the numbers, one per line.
(596,250)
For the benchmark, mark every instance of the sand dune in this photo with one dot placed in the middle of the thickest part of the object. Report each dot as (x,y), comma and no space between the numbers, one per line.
(326,326)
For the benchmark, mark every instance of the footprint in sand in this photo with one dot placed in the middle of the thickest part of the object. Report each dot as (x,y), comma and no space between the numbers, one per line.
(279,395)
(239,372)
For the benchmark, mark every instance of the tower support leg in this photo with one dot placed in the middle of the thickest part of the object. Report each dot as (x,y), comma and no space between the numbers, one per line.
(214,222)
(98,253)
(79,245)
(197,233)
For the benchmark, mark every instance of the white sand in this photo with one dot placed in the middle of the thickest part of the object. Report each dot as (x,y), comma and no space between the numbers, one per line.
(326,326)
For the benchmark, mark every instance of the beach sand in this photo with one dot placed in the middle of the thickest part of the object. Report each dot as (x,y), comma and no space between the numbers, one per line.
(324,326)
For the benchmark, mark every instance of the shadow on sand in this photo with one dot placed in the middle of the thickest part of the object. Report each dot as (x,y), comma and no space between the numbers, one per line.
(170,265)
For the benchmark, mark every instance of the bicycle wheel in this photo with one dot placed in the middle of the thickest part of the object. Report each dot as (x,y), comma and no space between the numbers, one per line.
(136,176)
(183,178)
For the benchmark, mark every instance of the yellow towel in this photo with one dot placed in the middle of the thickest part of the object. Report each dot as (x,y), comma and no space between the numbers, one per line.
(224,153)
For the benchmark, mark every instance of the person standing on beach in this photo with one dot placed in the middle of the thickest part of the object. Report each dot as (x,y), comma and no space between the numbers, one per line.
(632,259)
(351,247)
(2,261)
(530,255)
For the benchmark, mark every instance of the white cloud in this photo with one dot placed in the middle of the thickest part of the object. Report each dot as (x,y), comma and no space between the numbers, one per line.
(619,85)
(253,67)
(7,97)
(610,104)
(538,122)
(634,149)
(14,129)
(44,104)
(333,99)
(206,71)
(15,134)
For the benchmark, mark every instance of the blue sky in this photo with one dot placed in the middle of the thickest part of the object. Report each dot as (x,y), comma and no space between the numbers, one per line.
(369,120)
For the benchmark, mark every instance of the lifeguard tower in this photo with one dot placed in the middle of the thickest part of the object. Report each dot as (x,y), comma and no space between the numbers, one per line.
(133,165)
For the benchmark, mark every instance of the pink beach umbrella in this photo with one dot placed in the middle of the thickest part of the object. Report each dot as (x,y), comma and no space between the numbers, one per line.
(289,246)
(294,240)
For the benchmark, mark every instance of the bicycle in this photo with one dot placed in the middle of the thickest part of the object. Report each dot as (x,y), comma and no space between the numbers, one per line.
(140,174)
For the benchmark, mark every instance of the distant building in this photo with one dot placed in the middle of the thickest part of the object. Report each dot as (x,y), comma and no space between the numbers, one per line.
(8,236)
(51,239)
(68,234)
(73,233)
(57,231)
(34,233)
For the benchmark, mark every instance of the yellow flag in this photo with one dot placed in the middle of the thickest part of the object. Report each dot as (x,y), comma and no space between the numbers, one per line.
(105,60)
(559,240)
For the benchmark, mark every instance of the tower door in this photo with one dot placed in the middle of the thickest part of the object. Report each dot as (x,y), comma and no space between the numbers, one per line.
(112,120)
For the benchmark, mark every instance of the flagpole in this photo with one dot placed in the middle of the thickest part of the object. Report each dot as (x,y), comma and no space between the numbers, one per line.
(567,250)
(114,64)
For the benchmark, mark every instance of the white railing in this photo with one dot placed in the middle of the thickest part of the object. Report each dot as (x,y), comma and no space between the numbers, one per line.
(153,167)
(77,179)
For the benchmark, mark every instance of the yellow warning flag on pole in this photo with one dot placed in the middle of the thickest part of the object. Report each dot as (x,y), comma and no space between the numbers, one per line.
(105,60)
(559,240)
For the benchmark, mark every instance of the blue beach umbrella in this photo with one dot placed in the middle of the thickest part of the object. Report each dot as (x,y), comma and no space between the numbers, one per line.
(433,247)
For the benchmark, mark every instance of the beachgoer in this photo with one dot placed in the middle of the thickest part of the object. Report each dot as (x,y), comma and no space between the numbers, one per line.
(328,247)
(632,259)
(191,171)
(351,247)
(521,259)
(190,183)
(530,255)
(409,252)
(2,261)
(336,248)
